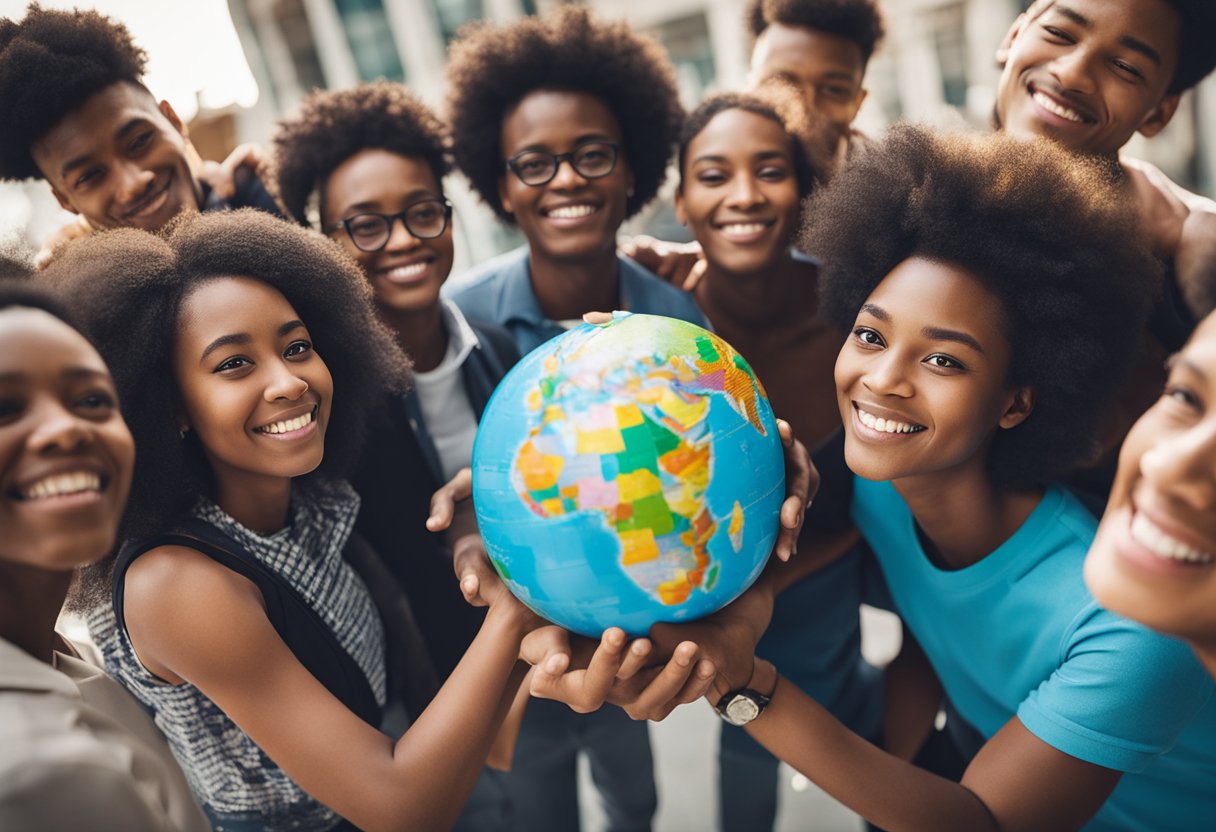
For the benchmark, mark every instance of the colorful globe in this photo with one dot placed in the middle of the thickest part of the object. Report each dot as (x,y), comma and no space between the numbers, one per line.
(629,473)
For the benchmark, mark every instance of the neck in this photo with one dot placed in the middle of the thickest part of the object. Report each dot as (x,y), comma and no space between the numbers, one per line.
(990,515)
(30,601)
(568,289)
(420,332)
(777,294)
(259,503)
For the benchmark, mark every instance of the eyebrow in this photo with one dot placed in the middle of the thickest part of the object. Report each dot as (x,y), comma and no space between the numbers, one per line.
(245,337)
(1135,44)
(70,373)
(412,197)
(931,332)
(83,158)
(762,155)
(589,138)
(1180,359)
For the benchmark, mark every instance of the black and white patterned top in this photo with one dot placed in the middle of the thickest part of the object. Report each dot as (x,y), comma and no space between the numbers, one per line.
(232,777)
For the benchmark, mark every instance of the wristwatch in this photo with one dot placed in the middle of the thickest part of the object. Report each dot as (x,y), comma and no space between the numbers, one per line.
(741,705)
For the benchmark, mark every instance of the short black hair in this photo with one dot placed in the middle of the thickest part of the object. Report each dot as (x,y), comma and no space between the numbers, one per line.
(1197,48)
(332,126)
(129,286)
(771,104)
(857,20)
(492,67)
(1044,231)
(50,63)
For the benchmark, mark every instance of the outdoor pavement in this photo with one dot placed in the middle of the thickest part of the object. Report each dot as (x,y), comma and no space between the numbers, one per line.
(685,749)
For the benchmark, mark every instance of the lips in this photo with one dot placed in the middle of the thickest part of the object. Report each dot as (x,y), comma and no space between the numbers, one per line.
(570,211)
(62,484)
(406,273)
(887,423)
(149,204)
(1060,107)
(744,231)
(289,424)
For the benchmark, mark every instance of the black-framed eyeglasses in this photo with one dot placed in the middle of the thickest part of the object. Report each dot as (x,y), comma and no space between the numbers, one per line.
(371,231)
(590,161)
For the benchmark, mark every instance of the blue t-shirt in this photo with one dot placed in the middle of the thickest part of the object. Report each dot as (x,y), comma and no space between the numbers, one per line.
(1018,633)
(500,291)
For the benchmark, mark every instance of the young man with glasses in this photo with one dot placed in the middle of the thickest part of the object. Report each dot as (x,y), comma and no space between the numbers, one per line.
(366,166)
(565,126)
(77,114)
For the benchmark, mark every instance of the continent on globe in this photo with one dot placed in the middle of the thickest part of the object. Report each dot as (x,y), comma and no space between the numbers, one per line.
(625,423)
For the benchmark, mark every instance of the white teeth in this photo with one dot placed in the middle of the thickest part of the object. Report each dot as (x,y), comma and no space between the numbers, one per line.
(58,485)
(743,229)
(885,425)
(1052,107)
(289,425)
(570,212)
(412,270)
(1152,537)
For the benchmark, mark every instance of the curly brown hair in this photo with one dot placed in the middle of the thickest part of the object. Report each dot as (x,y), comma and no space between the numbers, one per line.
(332,126)
(50,63)
(1044,231)
(492,67)
(857,20)
(128,288)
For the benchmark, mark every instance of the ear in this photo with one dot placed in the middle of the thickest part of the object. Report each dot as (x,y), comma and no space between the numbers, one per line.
(857,102)
(1156,121)
(1002,51)
(502,195)
(63,200)
(168,112)
(1019,408)
(681,214)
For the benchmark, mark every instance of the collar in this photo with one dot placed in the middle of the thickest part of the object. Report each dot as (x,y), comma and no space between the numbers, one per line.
(518,296)
(19,671)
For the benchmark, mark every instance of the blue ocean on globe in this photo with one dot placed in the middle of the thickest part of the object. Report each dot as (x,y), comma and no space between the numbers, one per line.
(629,473)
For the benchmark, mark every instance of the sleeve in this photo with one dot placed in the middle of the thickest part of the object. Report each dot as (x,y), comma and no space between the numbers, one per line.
(1121,697)
(830,510)
(79,794)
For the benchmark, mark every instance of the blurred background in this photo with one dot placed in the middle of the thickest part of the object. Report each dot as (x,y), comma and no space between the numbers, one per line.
(231,68)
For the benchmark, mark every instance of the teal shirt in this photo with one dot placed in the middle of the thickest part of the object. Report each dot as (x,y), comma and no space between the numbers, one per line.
(1018,634)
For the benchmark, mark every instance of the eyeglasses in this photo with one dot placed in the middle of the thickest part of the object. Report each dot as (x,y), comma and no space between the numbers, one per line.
(590,161)
(371,232)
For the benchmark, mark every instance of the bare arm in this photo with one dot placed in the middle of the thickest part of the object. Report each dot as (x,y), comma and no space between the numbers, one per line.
(192,620)
(913,698)
(1016,782)
(1195,263)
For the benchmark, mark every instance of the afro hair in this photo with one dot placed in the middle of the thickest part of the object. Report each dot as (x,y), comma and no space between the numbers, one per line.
(779,104)
(1045,232)
(129,287)
(333,126)
(17,288)
(857,20)
(50,63)
(493,67)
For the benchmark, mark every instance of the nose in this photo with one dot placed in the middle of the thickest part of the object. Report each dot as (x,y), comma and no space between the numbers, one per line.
(399,236)
(58,430)
(743,193)
(1183,465)
(566,177)
(133,182)
(1074,70)
(285,383)
(885,375)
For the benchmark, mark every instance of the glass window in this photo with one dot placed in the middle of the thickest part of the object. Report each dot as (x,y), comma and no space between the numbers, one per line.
(452,14)
(292,21)
(371,39)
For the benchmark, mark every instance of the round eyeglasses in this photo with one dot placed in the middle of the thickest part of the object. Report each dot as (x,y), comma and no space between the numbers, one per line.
(371,231)
(538,167)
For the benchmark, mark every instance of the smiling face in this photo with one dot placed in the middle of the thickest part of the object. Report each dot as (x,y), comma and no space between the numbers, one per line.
(253,390)
(827,69)
(1091,73)
(66,456)
(921,381)
(406,274)
(739,193)
(570,218)
(1154,557)
(120,160)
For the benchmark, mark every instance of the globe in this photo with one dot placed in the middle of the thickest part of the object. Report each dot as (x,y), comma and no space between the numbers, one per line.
(628,473)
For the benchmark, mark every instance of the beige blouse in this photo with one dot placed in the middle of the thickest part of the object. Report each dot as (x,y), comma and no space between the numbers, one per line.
(77,752)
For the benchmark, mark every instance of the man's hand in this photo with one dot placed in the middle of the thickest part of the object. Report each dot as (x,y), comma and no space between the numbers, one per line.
(443,501)
(801,485)
(681,264)
(76,229)
(222,176)
(585,674)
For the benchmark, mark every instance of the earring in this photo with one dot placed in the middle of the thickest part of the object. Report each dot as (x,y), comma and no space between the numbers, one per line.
(181,432)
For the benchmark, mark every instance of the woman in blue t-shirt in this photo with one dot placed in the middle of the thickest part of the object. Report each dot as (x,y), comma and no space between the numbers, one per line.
(991,287)
(1154,557)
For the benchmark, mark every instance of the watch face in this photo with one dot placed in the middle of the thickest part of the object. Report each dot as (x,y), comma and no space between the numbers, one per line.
(741,710)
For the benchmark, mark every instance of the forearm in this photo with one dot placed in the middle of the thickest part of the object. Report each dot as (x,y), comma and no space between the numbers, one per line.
(883,789)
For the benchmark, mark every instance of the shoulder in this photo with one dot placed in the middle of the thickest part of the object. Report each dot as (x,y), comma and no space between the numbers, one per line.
(1149,180)
(486,276)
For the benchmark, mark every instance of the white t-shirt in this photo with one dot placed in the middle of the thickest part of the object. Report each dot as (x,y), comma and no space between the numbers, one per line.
(449,416)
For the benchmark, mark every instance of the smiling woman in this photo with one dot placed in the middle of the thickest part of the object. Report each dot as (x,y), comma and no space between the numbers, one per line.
(249,361)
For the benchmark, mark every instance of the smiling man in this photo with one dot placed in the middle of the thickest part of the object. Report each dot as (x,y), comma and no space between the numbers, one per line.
(78,115)
(1091,74)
